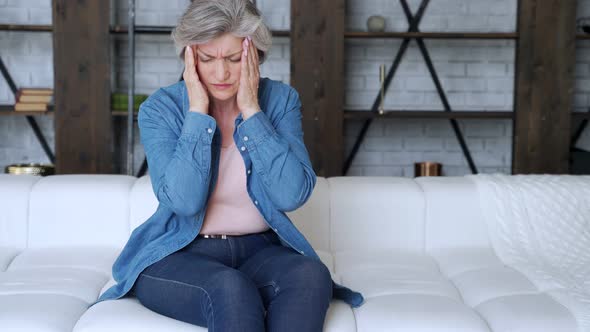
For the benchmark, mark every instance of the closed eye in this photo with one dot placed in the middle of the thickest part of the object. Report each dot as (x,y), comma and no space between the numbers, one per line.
(232,60)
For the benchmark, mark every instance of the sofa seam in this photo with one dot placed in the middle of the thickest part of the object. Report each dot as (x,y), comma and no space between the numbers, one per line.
(29,213)
(448,278)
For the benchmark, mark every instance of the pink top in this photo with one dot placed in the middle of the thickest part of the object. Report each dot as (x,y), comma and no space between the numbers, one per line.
(230,210)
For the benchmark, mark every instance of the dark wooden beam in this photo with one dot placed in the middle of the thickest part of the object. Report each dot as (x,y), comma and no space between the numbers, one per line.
(82,86)
(317,72)
(545,60)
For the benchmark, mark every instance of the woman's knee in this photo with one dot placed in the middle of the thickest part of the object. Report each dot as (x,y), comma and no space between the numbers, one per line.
(233,285)
(309,273)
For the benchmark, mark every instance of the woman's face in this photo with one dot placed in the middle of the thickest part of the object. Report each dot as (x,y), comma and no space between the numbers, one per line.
(219,64)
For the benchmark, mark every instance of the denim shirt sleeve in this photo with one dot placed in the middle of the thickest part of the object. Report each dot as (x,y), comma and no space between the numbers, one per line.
(279,155)
(179,166)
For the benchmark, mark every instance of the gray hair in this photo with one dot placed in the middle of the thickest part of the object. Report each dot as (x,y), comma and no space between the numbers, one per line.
(205,20)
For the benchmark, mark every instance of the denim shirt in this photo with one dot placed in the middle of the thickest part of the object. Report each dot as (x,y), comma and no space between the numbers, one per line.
(182,150)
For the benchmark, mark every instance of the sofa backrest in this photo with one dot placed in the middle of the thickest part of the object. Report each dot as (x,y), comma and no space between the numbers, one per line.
(79,210)
(374,213)
(312,218)
(453,215)
(15,193)
(64,210)
(343,213)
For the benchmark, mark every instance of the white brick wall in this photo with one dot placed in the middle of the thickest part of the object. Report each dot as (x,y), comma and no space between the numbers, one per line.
(475,74)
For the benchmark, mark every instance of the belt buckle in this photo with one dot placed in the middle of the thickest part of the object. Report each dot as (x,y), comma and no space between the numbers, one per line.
(215,236)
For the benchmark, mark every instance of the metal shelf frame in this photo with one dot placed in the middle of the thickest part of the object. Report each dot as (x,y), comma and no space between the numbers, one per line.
(131,89)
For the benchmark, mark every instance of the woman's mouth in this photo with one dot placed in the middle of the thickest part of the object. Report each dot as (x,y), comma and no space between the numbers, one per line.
(222,86)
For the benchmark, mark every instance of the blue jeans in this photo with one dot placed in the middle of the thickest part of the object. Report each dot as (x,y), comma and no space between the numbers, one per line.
(244,283)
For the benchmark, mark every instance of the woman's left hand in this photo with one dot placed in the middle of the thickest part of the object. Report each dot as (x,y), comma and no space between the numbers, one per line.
(250,74)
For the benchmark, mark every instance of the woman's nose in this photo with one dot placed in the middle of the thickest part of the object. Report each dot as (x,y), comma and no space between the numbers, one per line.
(221,71)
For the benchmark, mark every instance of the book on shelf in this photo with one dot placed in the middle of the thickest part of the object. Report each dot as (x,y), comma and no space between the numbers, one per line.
(36,91)
(33,99)
(119,101)
(30,107)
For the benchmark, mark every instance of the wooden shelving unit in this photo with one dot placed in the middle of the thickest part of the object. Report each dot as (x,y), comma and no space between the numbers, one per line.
(7,110)
(539,28)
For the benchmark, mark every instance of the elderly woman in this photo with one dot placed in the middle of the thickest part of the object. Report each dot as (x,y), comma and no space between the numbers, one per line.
(226,161)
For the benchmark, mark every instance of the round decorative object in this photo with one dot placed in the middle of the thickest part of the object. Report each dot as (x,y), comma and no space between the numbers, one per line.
(376,23)
(427,168)
(30,169)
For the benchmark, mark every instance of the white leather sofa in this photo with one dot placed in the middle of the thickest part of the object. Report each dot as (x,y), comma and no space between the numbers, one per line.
(418,250)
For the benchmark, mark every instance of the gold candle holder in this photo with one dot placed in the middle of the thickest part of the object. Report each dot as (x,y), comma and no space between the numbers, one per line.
(427,168)
(382,80)
(30,169)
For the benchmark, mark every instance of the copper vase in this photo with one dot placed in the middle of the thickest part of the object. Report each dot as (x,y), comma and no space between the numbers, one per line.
(427,168)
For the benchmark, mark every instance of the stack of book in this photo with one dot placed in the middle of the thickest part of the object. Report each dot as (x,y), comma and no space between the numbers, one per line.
(33,99)
(119,101)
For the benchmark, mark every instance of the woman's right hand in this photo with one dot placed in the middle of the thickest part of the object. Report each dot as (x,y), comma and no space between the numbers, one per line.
(197,93)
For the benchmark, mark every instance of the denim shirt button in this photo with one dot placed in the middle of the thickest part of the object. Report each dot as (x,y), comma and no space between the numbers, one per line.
(243,148)
(249,171)
(256,202)
(209,130)
(245,138)
(301,252)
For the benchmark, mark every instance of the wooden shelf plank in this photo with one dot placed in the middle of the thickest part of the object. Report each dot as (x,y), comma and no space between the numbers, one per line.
(8,110)
(432,114)
(432,35)
(23,113)
(122,113)
(117,29)
(425,114)
(154,29)
(151,29)
(26,27)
